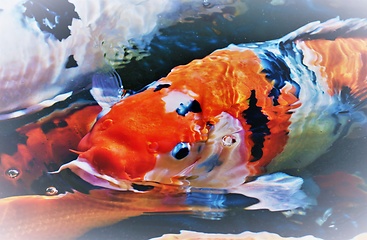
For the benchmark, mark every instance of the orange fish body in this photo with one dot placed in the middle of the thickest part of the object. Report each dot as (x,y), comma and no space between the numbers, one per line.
(240,112)
(199,80)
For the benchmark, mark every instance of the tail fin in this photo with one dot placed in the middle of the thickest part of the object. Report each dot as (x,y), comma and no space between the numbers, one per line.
(338,50)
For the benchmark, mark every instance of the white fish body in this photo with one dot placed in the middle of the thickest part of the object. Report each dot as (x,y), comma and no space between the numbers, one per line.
(49,49)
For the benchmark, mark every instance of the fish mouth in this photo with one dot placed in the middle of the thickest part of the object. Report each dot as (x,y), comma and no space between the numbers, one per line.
(85,171)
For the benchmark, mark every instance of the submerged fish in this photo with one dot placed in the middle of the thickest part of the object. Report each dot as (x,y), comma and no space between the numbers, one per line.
(240,112)
(69,215)
(41,146)
(50,49)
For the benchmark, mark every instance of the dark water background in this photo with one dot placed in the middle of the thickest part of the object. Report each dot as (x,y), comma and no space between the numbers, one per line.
(183,42)
(263,21)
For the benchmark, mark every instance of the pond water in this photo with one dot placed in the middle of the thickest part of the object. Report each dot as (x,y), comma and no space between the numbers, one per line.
(336,178)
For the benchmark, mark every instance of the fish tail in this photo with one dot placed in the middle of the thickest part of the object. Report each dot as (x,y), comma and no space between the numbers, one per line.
(336,51)
(327,64)
(342,65)
(339,49)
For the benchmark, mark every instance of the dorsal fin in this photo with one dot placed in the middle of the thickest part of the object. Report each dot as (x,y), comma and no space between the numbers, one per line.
(330,29)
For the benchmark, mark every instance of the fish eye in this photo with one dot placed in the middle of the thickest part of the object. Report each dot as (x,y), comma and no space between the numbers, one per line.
(181,150)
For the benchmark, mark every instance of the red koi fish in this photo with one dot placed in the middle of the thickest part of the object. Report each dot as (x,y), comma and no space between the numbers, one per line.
(348,190)
(42,146)
(240,112)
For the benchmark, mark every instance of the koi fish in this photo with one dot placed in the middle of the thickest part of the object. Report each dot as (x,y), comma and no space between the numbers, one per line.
(52,48)
(39,147)
(243,111)
(348,189)
(41,217)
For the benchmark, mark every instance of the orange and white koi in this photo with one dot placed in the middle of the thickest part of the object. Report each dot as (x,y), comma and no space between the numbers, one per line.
(240,112)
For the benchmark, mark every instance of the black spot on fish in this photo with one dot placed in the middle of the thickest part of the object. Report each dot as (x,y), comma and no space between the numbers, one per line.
(71,63)
(160,86)
(9,142)
(48,126)
(142,188)
(290,50)
(53,17)
(62,124)
(21,138)
(276,70)
(192,106)
(258,126)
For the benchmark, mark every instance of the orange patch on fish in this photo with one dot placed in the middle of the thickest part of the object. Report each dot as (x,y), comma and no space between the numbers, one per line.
(337,58)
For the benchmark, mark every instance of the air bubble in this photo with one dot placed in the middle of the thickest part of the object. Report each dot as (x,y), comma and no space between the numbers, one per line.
(228,140)
(51,191)
(207,4)
(12,173)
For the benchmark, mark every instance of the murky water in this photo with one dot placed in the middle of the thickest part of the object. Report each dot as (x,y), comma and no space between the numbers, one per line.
(339,213)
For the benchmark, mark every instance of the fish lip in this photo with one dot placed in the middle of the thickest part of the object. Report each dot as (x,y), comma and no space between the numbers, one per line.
(85,171)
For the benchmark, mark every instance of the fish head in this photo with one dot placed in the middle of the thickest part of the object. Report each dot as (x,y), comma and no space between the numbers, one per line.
(127,140)
(162,137)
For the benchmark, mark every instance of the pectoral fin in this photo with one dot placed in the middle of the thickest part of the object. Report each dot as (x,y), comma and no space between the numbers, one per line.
(276,192)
